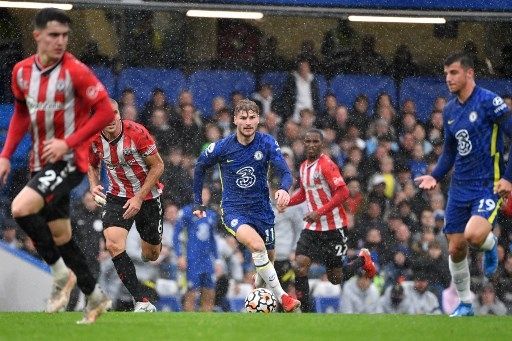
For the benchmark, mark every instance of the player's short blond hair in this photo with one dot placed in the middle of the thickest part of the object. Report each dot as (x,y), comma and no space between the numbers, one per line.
(246,105)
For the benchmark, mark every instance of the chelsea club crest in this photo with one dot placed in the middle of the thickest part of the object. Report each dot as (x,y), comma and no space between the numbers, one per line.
(473,116)
(258,155)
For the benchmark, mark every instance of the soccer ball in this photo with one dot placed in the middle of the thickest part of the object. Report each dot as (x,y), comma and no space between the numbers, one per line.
(260,300)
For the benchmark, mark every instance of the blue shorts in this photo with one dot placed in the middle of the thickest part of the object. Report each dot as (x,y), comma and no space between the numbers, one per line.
(232,221)
(467,201)
(198,280)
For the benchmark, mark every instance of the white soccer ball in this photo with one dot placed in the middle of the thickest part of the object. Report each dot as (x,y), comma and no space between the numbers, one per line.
(260,300)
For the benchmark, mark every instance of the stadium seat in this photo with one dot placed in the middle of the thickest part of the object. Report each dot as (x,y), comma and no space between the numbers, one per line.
(276,79)
(168,303)
(423,91)
(208,84)
(327,304)
(348,87)
(145,80)
(500,86)
(237,304)
(5,115)
(106,76)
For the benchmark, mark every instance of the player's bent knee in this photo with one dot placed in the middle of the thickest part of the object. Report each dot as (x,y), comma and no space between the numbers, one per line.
(256,246)
(152,254)
(114,248)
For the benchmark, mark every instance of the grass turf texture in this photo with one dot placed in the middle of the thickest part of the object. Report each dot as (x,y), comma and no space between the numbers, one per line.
(236,326)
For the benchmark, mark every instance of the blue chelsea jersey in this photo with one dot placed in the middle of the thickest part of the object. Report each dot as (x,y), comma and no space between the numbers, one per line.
(473,138)
(244,171)
(200,235)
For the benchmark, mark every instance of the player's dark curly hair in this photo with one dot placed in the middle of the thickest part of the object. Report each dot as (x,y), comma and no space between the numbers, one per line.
(44,16)
(465,61)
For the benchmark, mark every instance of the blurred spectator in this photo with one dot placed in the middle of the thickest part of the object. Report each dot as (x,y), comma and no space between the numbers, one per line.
(482,67)
(435,126)
(162,132)
(91,55)
(127,98)
(398,270)
(338,49)
(359,115)
(189,134)
(369,61)
(268,58)
(300,92)
(486,303)
(327,117)
(418,299)
(129,112)
(403,64)
(504,283)
(307,52)
(264,99)
(355,198)
(158,100)
(178,183)
(359,296)
(218,103)
(392,301)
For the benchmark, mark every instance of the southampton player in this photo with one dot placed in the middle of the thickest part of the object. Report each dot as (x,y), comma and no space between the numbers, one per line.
(323,238)
(134,168)
(201,250)
(55,95)
(473,146)
(244,159)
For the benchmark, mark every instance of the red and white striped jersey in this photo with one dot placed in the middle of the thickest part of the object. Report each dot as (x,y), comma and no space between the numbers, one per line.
(320,179)
(59,99)
(124,158)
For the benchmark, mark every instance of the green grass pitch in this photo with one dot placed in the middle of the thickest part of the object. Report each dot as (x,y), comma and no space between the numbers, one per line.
(236,326)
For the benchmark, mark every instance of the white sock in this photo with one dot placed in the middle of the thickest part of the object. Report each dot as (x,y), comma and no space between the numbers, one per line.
(460,276)
(265,269)
(60,271)
(96,293)
(488,243)
(258,281)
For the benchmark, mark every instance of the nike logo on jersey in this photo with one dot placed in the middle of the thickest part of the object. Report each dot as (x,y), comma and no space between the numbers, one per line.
(451,121)
(228,161)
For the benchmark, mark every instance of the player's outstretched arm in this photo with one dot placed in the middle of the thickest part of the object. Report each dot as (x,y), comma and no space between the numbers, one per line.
(426,181)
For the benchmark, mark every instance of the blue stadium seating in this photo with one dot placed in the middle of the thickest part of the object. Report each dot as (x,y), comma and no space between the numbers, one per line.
(168,303)
(106,76)
(276,79)
(237,304)
(145,80)
(208,84)
(327,304)
(423,90)
(500,86)
(5,115)
(348,87)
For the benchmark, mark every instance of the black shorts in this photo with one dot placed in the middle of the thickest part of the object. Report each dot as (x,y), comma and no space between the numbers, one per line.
(148,221)
(285,273)
(54,183)
(325,247)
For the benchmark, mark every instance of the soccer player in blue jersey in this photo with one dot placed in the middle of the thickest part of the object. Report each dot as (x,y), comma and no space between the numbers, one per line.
(474,121)
(244,159)
(201,252)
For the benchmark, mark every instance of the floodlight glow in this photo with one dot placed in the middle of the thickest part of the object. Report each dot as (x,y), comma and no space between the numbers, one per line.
(404,20)
(224,14)
(34,5)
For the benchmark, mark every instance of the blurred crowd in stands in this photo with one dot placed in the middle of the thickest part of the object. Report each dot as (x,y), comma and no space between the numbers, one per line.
(380,150)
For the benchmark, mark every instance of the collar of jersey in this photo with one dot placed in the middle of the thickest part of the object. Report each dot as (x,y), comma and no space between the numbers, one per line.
(114,141)
(46,70)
